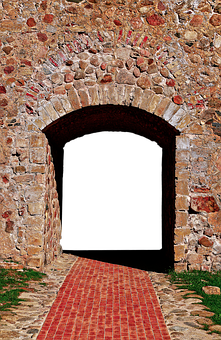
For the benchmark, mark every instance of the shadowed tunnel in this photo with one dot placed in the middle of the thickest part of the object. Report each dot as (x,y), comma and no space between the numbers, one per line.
(118,190)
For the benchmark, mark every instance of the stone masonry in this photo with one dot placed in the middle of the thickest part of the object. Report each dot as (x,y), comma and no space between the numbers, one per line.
(58,57)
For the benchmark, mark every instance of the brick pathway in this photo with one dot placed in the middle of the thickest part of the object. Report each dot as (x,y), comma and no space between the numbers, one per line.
(103,301)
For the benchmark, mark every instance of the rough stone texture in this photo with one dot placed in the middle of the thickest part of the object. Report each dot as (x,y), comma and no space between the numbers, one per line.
(57,57)
(211,290)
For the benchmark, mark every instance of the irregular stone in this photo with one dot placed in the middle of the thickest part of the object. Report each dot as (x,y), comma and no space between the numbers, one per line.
(31,22)
(205,241)
(2,89)
(124,77)
(42,37)
(155,20)
(216,328)
(215,20)
(170,82)
(123,53)
(136,23)
(206,203)
(107,78)
(7,49)
(94,61)
(196,20)
(190,35)
(144,82)
(211,290)
(48,18)
(9,226)
(9,69)
(178,100)
(69,77)
(208,232)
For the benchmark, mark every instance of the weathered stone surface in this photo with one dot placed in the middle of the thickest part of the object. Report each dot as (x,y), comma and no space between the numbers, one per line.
(124,77)
(206,203)
(123,53)
(211,290)
(205,241)
(144,82)
(155,20)
(179,251)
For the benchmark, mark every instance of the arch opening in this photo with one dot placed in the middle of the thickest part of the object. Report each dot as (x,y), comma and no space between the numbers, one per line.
(125,119)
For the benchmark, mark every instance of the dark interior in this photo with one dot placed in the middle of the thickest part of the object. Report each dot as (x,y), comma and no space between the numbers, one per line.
(118,190)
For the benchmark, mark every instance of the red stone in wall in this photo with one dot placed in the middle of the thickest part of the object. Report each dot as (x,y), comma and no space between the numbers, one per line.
(201,203)
(205,241)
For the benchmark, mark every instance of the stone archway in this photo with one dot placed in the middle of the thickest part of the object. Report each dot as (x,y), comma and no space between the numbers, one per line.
(127,119)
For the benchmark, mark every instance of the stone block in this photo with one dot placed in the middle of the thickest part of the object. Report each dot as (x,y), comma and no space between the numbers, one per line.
(51,111)
(37,140)
(44,115)
(137,97)
(182,188)
(162,107)
(112,94)
(34,193)
(152,105)
(182,203)
(35,222)
(21,142)
(66,105)
(175,119)
(184,122)
(34,250)
(103,98)
(180,234)
(211,290)
(147,95)
(36,208)
(181,218)
(120,94)
(74,99)
(180,267)
(34,239)
(23,178)
(182,143)
(179,252)
(58,106)
(83,97)
(35,262)
(38,168)
(60,90)
(195,258)
(37,155)
(170,111)
(93,93)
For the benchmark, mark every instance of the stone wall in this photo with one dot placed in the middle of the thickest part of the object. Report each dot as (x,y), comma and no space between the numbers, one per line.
(57,57)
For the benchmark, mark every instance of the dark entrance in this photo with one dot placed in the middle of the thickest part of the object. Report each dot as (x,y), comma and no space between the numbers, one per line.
(112,192)
(105,121)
